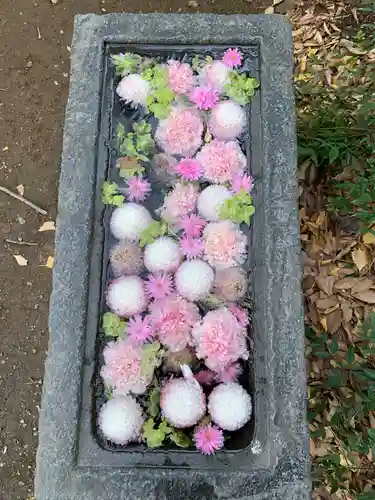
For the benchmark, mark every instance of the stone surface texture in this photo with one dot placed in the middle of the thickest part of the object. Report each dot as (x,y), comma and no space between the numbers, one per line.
(70,464)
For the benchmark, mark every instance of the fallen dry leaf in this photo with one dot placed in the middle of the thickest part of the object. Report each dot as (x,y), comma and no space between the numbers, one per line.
(345,283)
(21,261)
(20,188)
(347,312)
(326,303)
(368,239)
(269,10)
(368,296)
(360,259)
(334,320)
(47,226)
(323,322)
(326,284)
(49,262)
(362,285)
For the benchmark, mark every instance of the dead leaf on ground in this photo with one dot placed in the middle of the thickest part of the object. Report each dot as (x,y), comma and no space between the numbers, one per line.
(347,312)
(362,285)
(21,261)
(326,284)
(334,320)
(368,296)
(20,188)
(360,258)
(326,303)
(49,262)
(345,283)
(47,226)
(368,239)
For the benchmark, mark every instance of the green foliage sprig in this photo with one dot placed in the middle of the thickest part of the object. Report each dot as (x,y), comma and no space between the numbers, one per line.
(138,144)
(241,88)
(160,99)
(152,358)
(153,231)
(155,435)
(126,63)
(239,208)
(111,194)
(113,326)
(129,166)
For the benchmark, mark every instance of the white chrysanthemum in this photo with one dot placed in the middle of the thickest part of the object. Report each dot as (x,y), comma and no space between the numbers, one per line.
(211,200)
(227,120)
(128,221)
(121,420)
(230,406)
(133,89)
(183,403)
(126,296)
(194,279)
(215,74)
(163,255)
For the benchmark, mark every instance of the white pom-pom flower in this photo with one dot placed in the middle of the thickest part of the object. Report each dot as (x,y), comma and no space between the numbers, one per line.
(230,406)
(163,255)
(183,403)
(215,75)
(121,420)
(194,279)
(128,221)
(211,200)
(227,120)
(133,89)
(126,296)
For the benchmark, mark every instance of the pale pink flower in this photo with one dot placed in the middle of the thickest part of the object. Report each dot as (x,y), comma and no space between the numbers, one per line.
(173,319)
(205,377)
(208,439)
(138,189)
(230,284)
(192,225)
(204,97)
(189,169)
(220,340)
(163,167)
(215,75)
(180,77)
(232,58)
(242,181)
(224,244)
(221,161)
(159,285)
(192,248)
(179,202)
(229,374)
(139,330)
(180,133)
(122,368)
(240,313)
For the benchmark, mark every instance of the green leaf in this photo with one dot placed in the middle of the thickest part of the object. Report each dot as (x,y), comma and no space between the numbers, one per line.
(371,435)
(152,358)
(113,326)
(153,231)
(195,64)
(350,355)
(335,378)
(369,374)
(154,403)
(179,438)
(108,393)
(153,437)
(239,208)
(334,347)
(110,194)
(126,63)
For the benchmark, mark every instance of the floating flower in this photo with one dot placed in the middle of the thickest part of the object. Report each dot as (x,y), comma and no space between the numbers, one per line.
(221,161)
(240,313)
(204,97)
(139,330)
(126,258)
(173,319)
(242,181)
(215,75)
(121,420)
(205,377)
(220,339)
(163,168)
(210,201)
(230,406)
(224,244)
(230,373)
(126,296)
(174,360)
(192,248)
(133,89)
(179,202)
(189,169)
(159,285)
(208,439)
(138,188)
(230,284)
(232,58)
(122,368)
(129,221)
(180,77)
(180,133)
(192,225)
(227,121)
(194,279)
(163,255)
(183,403)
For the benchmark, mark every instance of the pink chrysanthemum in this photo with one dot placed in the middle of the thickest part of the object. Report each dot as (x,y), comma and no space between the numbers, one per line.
(180,133)
(204,97)
(224,244)
(240,313)
(139,329)
(221,161)
(192,248)
(189,169)
(192,225)
(232,58)
(138,189)
(220,339)
(159,285)
(173,319)
(208,439)
(205,377)
(122,369)
(242,181)
(229,374)
(180,77)
(180,201)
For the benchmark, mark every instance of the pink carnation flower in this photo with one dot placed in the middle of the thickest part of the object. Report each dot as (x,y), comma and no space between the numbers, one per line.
(242,181)
(180,133)
(138,189)
(215,75)
(208,439)
(189,169)
(240,313)
(230,373)
(139,330)
(224,244)
(122,369)
(220,339)
(204,97)
(180,201)
(192,248)
(159,285)
(180,77)
(221,161)
(232,58)
(173,319)
(192,225)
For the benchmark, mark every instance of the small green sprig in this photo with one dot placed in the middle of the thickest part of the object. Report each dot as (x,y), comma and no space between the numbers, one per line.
(138,144)
(129,166)
(126,63)
(155,437)
(239,208)
(153,231)
(154,403)
(179,438)
(152,358)
(241,88)
(111,195)
(113,326)
(160,99)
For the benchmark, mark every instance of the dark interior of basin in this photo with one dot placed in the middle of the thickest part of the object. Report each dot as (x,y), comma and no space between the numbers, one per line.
(113,113)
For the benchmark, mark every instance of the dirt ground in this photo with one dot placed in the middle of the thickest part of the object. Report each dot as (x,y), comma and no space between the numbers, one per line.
(34,73)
